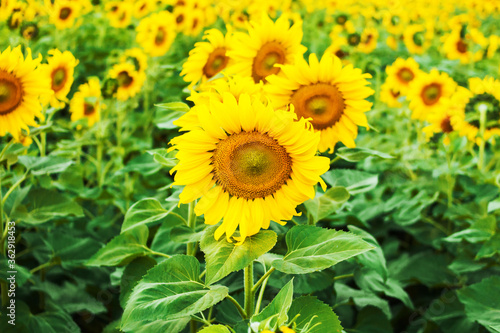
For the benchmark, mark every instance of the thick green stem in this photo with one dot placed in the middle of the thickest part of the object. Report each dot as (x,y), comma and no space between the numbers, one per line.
(249,295)
(482,129)
(191,247)
(193,326)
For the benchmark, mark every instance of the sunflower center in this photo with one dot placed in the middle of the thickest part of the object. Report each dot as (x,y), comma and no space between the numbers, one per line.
(270,54)
(490,104)
(251,165)
(341,20)
(418,38)
(124,79)
(161,35)
(395,93)
(59,78)
(461,46)
(216,62)
(405,75)
(179,19)
(446,125)
(64,13)
(11,92)
(353,39)
(88,109)
(431,93)
(322,102)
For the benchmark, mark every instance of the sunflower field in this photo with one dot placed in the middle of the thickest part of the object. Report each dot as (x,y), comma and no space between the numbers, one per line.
(250,166)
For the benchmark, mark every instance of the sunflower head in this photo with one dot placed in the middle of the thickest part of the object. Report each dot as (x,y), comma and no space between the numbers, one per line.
(129,81)
(29,30)
(156,33)
(248,163)
(266,45)
(64,13)
(86,102)
(331,96)
(23,88)
(60,70)
(402,73)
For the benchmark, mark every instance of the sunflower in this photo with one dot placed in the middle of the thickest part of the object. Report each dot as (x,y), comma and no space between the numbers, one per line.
(156,33)
(331,95)
(60,70)
(86,102)
(22,88)
(136,57)
(29,30)
(248,163)
(207,58)
(466,47)
(342,23)
(267,43)
(429,93)
(368,40)
(119,13)
(143,8)
(483,94)
(395,21)
(417,38)
(339,48)
(64,13)
(401,73)
(390,95)
(129,80)
(441,122)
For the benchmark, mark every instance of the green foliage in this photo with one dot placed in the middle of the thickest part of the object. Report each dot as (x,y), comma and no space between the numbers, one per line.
(312,249)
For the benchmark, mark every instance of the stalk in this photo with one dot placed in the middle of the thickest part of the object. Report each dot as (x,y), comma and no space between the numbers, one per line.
(249,294)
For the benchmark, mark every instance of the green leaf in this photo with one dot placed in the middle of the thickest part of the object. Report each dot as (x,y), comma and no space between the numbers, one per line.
(167,113)
(361,298)
(134,271)
(490,247)
(358,154)
(163,157)
(45,165)
(275,314)
(170,326)
(44,205)
(184,234)
(144,212)
(22,274)
(313,312)
(372,320)
(354,181)
(123,248)
(482,302)
(329,202)
(312,249)
(144,164)
(170,290)
(223,258)
(215,329)
(375,259)
(449,314)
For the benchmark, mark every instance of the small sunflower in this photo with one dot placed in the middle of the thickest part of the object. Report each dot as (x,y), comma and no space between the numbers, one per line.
(429,93)
(143,8)
(441,122)
(402,73)
(390,95)
(417,38)
(156,33)
(119,13)
(482,94)
(207,58)
(368,40)
(332,96)
(267,44)
(137,57)
(466,47)
(29,30)
(129,80)
(22,89)
(60,69)
(339,48)
(86,102)
(248,164)
(64,13)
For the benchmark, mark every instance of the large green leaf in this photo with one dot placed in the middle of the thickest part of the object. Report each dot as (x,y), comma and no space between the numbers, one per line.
(170,290)
(275,314)
(354,181)
(43,205)
(375,259)
(45,165)
(123,248)
(358,154)
(223,257)
(134,271)
(315,315)
(146,211)
(312,249)
(482,302)
(329,202)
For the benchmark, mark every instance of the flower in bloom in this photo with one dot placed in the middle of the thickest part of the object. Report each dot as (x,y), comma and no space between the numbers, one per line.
(129,80)
(332,96)
(248,164)
(86,102)
(156,33)
(60,69)
(23,89)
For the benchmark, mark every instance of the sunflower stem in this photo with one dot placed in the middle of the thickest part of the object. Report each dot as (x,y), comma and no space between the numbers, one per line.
(249,294)
(191,247)
(482,129)
(238,306)
(261,292)
(449,178)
